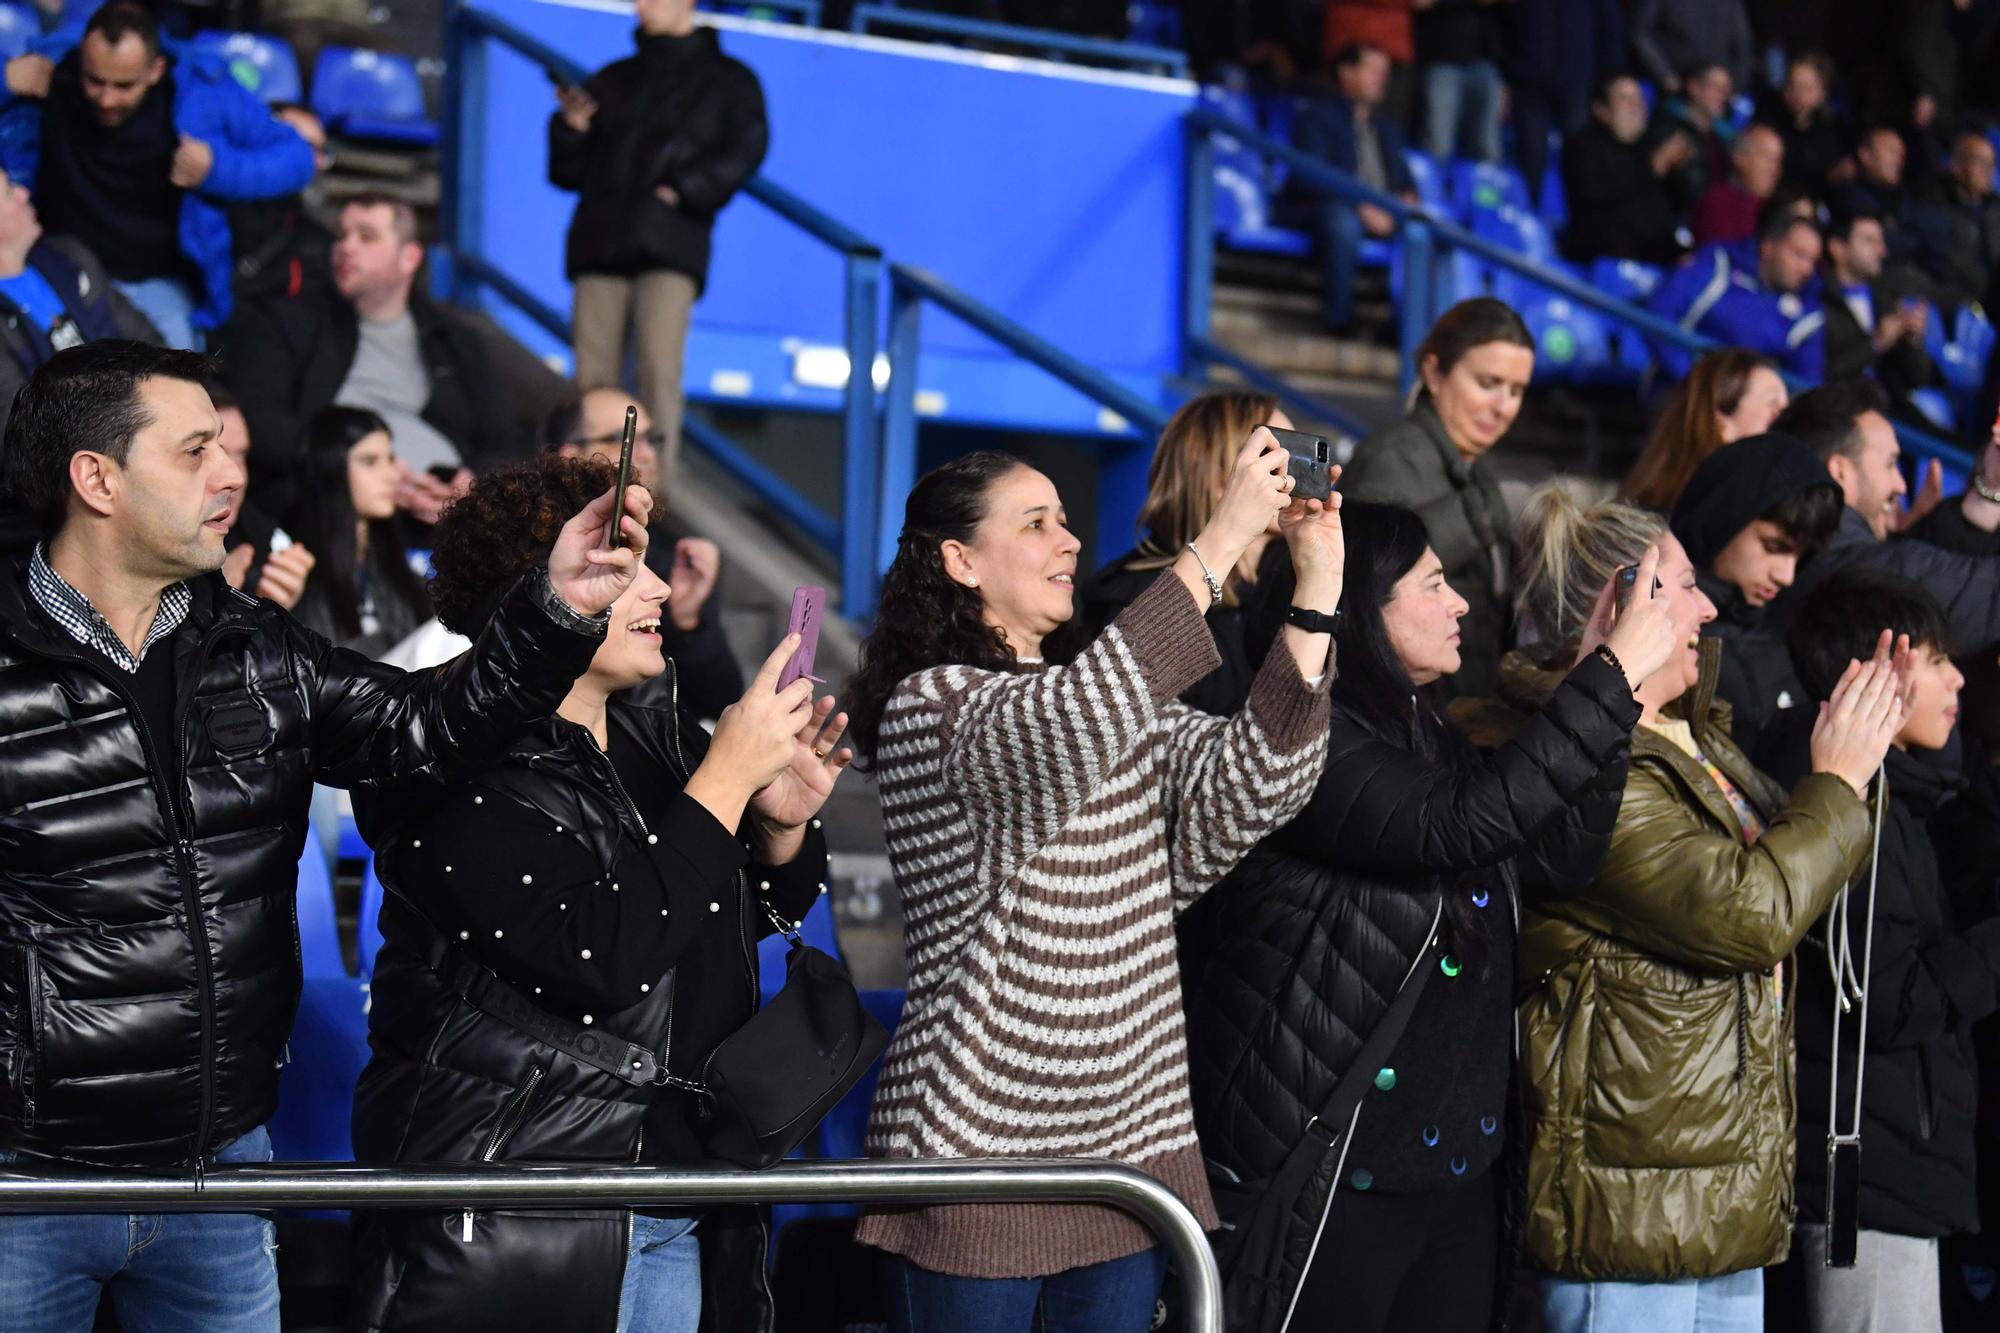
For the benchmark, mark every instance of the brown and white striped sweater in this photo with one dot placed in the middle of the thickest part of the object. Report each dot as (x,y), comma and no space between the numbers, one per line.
(1044,828)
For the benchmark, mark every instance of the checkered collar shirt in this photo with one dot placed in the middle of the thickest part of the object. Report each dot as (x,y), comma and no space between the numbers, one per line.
(80,620)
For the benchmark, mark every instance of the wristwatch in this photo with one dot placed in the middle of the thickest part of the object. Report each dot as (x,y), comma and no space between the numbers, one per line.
(1313,622)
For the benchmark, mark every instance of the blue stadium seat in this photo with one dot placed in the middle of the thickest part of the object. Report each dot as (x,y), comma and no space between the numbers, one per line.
(1517,229)
(1477,187)
(1154,23)
(328,1048)
(1554,208)
(1937,408)
(19,25)
(1626,279)
(1428,179)
(264,65)
(1965,358)
(1572,344)
(371,95)
(319,929)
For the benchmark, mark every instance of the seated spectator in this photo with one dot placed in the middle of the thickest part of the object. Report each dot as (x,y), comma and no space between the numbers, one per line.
(1961,220)
(263,558)
(1732,393)
(54,293)
(1614,180)
(1388,27)
(1933,971)
(591,424)
(368,598)
(1802,113)
(1562,51)
(136,151)
(1656,1036)
(1183,485)
(281,249)
(1700,114)
(1878,188)
(1748,517)
(1847,425)
(1347,130)
(1727,211)
(651,171)
(1458,53)
(376,341)
(1873,327)
(1680,41)
(1762,309)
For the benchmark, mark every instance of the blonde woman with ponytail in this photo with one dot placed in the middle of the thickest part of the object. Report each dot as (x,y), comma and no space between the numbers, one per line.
(1656,1022)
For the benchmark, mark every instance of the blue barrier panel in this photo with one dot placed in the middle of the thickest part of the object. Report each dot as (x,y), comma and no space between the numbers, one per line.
(1074,235)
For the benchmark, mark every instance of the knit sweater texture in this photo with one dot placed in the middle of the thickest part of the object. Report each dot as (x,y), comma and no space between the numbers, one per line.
(1044,828)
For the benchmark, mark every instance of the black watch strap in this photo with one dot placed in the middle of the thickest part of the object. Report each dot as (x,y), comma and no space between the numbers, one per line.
(1313,622)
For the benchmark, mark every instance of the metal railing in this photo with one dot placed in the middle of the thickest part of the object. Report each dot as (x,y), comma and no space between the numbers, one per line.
(470,1185)
(1421,234)
(1140,56)
(805,13)
(853,539)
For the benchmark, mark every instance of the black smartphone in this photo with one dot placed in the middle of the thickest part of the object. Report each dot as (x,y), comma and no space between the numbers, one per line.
(1310,462)
(1628,579)
(1843,1201)
(624,476)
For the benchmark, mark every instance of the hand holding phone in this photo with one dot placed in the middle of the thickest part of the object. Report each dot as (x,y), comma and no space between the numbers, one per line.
(1628,579)
(808,605)
(624,476)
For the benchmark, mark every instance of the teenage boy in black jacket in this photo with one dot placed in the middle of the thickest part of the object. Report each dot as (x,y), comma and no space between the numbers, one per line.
(1934,972)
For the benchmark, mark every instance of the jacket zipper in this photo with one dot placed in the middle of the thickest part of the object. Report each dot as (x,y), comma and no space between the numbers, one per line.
(510,1120)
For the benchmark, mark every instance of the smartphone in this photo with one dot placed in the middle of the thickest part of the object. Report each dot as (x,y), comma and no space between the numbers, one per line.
(1628,579)
(624,477)
(280,541)
(808,604)
(1843,1201)
(1310,461)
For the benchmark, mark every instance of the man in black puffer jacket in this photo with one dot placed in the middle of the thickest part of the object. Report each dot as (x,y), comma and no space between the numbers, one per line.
(655,144)
(161,735)
(1935,972)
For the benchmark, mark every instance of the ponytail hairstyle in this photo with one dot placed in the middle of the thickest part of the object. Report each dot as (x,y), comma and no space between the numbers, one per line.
(1569,551)
(925,618)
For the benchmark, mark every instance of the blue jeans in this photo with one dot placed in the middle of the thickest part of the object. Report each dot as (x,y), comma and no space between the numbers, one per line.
(1117,1296)
(169,303)
(1337,228)
(171,1273)
(1731,1304)
(1462,111)
(662,1292)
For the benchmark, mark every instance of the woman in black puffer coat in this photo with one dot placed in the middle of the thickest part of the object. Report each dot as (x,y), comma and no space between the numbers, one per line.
(1403,872)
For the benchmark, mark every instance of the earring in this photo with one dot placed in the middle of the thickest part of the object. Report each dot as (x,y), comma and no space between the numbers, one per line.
(972,582)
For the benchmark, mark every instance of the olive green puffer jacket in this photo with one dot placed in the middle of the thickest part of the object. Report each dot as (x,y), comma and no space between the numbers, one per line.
(1657,1027)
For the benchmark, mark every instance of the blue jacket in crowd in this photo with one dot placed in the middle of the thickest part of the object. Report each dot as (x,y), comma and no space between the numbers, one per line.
(1324,128)
(256,157)
(1717,292)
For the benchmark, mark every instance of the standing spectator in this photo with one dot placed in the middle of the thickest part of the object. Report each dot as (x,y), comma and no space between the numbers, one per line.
(1349,130)
(1732,393)
(1672,37)
(1962,223)
(1458,54)
(1473,366)
(1933,971)
(654,145)
(1656,1032)
(1614,181)
(1045,824)
(1872,325)
(1385,25)
(1562,51)
(1767,311)
(1801,111)
(1700,114)
(137,156)
(1727,212)
(375,341)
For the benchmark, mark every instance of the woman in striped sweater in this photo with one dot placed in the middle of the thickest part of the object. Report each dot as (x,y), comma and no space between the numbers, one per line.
(1045,824)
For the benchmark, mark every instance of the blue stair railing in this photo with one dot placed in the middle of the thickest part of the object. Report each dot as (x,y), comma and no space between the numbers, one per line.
(1137,56)
(852,539)
(1425,238)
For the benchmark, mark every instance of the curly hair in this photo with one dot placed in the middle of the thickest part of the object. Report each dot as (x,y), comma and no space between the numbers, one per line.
(926,619)
(502,528)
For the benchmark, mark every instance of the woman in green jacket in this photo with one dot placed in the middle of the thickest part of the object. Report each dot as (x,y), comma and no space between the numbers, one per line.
(1656,1024)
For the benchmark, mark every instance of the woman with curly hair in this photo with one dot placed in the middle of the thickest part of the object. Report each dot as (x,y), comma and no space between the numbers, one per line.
(599,889)
(1730,395)
(1045,823)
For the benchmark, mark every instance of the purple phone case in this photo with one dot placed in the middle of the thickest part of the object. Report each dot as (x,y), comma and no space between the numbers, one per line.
(807,606)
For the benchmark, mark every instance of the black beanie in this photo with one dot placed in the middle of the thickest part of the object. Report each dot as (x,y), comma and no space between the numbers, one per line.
(1736,484)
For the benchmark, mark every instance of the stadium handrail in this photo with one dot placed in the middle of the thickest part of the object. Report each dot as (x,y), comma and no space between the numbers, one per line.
(1137,56)
(1420,232)
(457,1185)
(854,538)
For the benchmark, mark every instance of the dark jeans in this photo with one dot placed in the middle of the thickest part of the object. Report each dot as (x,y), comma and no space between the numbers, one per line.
(1393,1262)
(1337,230)
(1117,1296)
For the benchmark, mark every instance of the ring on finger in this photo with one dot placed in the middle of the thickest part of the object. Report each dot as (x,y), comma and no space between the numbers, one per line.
(819,752)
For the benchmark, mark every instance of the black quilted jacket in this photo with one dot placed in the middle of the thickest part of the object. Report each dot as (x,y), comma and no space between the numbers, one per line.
(149,964)
(1317,929)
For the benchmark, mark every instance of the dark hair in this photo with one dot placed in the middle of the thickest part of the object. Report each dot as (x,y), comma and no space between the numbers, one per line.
(1827,419)
(1785,201)
(1600,88)
(1352,54)
(1844,222)
(1469,324)
(502,528)
(1701,68)
(1808,517)
(121,17)
(925,618)
(1844,617)
(564,420)
(1781,223)
(84,399)
(409,227)
(324,520)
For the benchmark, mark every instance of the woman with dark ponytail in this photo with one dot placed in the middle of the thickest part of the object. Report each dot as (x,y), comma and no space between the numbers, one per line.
(1045,823)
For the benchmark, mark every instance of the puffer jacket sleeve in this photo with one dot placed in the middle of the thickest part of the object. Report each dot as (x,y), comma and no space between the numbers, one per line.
(373,724)
(1383,808)
(1676,886)
(256,155)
